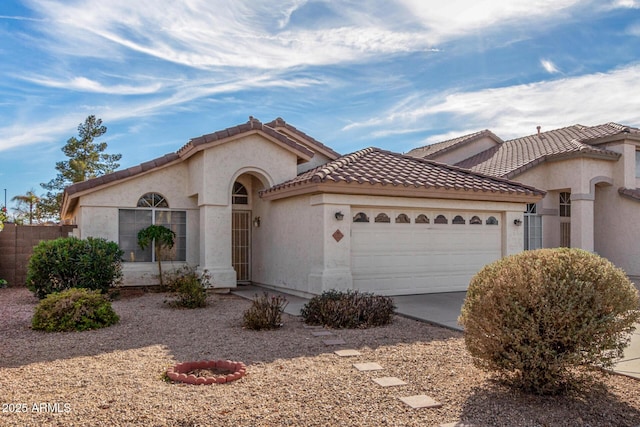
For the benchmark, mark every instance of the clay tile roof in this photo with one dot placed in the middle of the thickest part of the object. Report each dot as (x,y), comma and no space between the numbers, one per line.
(121,174)
(517,155)
(279,123)
(375,167)
(252,125)
(429,151)
(632,193)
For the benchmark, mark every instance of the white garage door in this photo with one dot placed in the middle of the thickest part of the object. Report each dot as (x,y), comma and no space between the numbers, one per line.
(390,256)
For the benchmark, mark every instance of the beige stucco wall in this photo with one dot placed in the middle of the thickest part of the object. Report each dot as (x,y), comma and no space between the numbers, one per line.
(576,175)
(294,247)
(601,220)
(97,215)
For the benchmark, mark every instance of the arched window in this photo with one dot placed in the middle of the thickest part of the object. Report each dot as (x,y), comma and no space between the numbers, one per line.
(441,219)
(240,196)
(475,220)
(152,200)
(382,217)
(361,217)
(402,219)
(492,220)
(422,219)
(458,220)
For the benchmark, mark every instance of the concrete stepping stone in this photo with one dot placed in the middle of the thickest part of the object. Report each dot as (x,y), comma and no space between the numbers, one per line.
(389,381)
(304,325)
(368,366)
(421,401)
(337,341)
(347,353)
(321,333)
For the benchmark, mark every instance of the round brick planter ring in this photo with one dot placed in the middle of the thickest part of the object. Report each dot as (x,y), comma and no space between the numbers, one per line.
(229,371)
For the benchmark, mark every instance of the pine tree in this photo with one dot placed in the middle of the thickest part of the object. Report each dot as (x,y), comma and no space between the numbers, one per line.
(86,160)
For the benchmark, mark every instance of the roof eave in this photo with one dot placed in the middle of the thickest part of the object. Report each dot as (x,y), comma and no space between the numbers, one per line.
(618,137)
(610,156)
(528,196)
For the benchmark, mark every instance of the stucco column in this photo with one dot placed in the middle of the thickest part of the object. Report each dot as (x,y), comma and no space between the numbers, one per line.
(215,245)
(582,221)
(513,232)
(336,241)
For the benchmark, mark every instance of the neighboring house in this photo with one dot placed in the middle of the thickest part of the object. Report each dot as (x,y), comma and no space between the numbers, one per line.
(268,204)
(591,175)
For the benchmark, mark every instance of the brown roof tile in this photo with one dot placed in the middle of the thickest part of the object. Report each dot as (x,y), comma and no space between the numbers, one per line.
(252,124)
(377,167)
(429,151)
(632,193)
(280,123)
(517,155)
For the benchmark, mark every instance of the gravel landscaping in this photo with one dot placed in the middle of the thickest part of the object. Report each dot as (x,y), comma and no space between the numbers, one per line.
(114,376)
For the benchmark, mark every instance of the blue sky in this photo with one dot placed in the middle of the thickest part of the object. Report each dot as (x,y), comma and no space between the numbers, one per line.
(395,74)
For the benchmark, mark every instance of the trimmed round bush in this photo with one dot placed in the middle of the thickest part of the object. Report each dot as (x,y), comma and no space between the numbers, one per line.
(69,262)
(73,310)
(348,309)
(536,316)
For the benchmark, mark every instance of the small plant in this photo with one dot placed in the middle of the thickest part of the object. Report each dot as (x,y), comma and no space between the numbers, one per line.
(189,286)
(265,312)
(535,318)
(161,238)
(348,309)
(73,310)
(3,283)
(69,262)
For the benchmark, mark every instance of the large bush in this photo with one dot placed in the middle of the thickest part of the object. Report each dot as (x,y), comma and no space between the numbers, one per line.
(69,262)
(348,309)
(537,316)
(73,310)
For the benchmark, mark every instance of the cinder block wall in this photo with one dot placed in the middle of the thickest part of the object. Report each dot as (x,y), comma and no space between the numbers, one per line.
(16,247)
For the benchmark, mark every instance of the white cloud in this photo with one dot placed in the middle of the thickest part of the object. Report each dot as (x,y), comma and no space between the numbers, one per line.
(517,110)
(255,34)
(84,84)
(549,66)
(23,131)
(626,4)
(453,18)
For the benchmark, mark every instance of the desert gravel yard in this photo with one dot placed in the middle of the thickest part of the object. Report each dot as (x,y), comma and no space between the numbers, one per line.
(114,376)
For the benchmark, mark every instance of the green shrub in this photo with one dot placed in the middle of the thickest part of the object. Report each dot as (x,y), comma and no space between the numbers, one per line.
(348,309)
(265,312)
(56,265)
(189,287)
(73,310)
(3,283)
(536,316)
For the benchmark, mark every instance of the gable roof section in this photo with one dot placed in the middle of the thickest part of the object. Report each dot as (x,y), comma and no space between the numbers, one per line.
(515,156)
(281,126)
(252,126)
(373,171)
(433,150)
(72,192)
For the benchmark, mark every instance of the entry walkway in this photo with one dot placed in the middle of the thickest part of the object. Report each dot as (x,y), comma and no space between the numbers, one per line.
(442,309)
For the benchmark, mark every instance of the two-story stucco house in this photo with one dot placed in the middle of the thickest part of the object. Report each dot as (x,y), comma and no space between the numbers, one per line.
(591,175)
(268,204)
